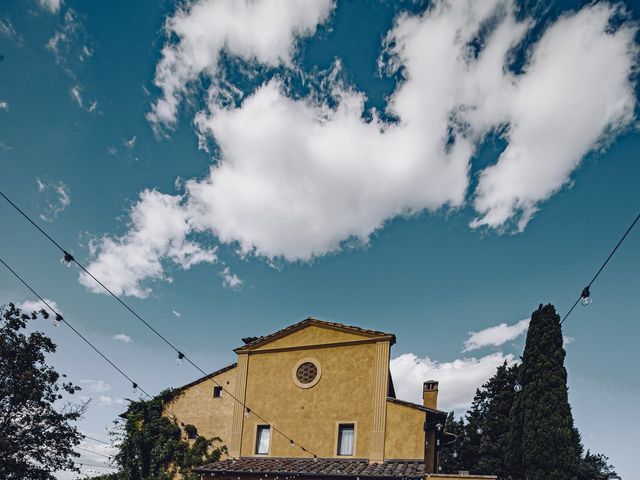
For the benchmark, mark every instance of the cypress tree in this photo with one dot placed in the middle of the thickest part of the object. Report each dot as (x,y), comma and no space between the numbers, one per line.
(494,440)
(542,440)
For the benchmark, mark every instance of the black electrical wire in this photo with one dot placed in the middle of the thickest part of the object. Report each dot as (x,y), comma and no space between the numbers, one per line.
(60,318)
(95,453)
(70,258)
(586,289)
(96,440)
(94,465)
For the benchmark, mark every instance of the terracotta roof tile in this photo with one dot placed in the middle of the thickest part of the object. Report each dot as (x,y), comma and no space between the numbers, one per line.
(321,467)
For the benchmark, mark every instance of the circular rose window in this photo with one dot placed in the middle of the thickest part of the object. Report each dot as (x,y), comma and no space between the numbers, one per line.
(306,373)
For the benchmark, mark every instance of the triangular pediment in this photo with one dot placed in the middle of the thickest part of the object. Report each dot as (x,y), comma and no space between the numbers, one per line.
(312,332)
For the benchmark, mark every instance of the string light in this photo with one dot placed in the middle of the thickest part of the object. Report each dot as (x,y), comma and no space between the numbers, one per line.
(180,358)
(247,412)
(517,387)
(57,319)
(68,258)
(585,296)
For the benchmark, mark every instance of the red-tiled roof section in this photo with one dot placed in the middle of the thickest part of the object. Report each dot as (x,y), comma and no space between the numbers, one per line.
(315,321)
(207,377)
(321,467)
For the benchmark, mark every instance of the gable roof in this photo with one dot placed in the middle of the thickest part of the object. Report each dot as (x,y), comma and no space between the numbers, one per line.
(319,323)
(317,468)
(207,377)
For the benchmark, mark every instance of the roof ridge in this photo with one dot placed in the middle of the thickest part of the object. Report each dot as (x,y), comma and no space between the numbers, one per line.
(307,320)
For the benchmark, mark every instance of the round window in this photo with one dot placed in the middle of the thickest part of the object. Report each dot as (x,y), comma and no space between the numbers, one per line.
(306,373)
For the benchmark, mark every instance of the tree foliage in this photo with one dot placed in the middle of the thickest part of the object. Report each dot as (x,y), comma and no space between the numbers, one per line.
(152,445)
(542,441)
(37,436)
(527,434)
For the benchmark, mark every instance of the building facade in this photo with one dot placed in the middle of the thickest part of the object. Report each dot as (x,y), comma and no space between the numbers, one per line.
(315,396)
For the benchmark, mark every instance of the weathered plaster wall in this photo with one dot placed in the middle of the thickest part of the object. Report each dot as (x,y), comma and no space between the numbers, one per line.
(211,416)
(405,432)
(344,393)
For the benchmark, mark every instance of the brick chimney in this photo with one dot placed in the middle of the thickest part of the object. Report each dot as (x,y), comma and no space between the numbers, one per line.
(430,394)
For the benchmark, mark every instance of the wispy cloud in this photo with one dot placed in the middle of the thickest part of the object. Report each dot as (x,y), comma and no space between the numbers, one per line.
(495,336)
(176,313)
(121,337)
(129,143)
(29,306)
(50,6)
(96,386)
(230,279)
(253,31)
(7,29)
(76,94)
(4,105)
(53,199)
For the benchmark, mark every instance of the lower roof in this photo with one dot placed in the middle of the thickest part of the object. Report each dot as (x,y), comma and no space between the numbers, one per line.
(318,467)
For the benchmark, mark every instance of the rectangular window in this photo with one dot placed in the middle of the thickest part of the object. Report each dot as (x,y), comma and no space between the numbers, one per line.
(217,392)
(262,439)
(346,437)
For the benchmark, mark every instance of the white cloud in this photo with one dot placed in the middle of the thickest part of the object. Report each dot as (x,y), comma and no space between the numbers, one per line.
(62,40)
(495,336)
(261,30)
(333,172)
(230,279)
(176,313)
(130,143)
(4,105)
(574,95)
(458,379)
(296,165)
(53,199)
(96,386)
(29,306)
(6,28)
(51,6)
(159,229)
(106,400)
(76,94)
(121,337)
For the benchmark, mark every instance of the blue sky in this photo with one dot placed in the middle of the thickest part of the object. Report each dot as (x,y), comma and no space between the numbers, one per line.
(421,169)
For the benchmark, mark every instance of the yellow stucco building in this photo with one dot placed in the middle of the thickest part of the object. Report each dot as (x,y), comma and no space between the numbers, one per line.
(315,399)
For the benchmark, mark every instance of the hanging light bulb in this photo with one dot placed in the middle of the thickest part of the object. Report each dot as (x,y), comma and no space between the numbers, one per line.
(135,386)
(179,359)
(479,431)
(292,443)
(57,320)
(517,387)
(68,259)
(315,458)
(247,412)
(454,454)
(438,426)
(585,297)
